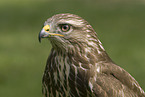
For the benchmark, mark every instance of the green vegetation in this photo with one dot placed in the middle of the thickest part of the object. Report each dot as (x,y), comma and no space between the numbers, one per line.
(120,27)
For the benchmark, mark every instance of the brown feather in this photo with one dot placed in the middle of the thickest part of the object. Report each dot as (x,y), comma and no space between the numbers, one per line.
(78,65)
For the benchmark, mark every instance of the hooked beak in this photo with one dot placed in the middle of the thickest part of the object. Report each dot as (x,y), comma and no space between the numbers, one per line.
(44,33)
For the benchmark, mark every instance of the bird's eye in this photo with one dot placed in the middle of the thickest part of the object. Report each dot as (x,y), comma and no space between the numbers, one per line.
(65,27)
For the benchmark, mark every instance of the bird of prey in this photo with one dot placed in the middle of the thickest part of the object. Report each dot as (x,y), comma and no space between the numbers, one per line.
(78,65)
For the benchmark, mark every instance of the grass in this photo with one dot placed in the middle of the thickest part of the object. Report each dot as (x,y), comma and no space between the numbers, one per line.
(120,27)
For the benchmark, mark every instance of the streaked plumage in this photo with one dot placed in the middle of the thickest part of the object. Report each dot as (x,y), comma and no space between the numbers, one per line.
(78,65)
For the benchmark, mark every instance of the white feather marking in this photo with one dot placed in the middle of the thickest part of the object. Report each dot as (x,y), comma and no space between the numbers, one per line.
(91,86)
(99,52)
(100,44)
(98,69)
(57,94)
(95,77)
(67,71)
(87,49)
(88,35)
(60,70)
(88,31)
(67,68)
(76,72)
(73,22)
(80,64)
(55,77)
(121,92)
(139,88)
(91,43)
(61,62)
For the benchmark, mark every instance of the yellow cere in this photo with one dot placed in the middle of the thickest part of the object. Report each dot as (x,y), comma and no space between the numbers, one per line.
(46,28)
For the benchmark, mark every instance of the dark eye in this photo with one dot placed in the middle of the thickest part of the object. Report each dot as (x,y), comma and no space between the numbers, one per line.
(65,27)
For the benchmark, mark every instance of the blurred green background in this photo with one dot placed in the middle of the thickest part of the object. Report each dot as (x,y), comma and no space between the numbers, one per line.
(120,25)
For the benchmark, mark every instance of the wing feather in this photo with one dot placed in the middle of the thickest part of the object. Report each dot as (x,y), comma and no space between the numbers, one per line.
(121,83)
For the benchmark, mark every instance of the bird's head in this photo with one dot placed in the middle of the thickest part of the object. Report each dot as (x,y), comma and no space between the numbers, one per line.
(67,31)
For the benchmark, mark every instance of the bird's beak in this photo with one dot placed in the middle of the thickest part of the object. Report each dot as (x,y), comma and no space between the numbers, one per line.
(44,33)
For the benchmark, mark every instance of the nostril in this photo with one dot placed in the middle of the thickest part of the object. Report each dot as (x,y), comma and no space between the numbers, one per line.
(47,29)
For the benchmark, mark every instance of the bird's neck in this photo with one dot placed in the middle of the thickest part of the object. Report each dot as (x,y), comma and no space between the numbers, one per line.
(77,66)
(82,54)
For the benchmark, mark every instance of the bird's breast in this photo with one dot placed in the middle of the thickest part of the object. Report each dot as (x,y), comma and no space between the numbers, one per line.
(63,78)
